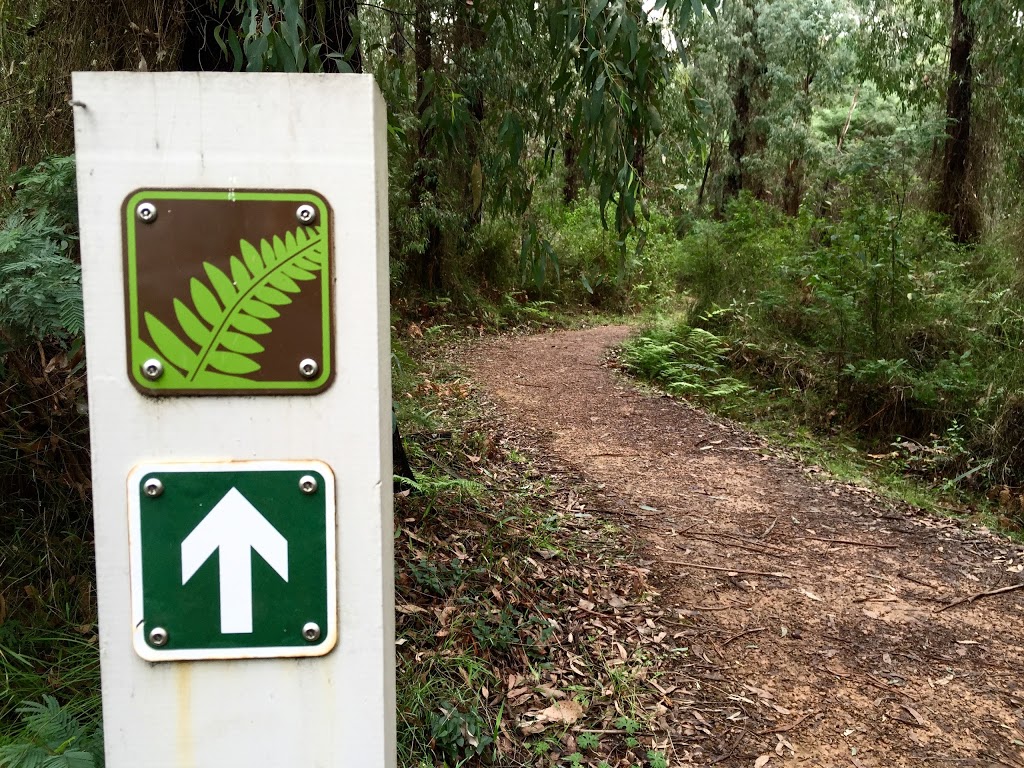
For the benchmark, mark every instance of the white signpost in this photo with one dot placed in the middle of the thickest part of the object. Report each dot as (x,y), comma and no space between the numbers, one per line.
(235,270)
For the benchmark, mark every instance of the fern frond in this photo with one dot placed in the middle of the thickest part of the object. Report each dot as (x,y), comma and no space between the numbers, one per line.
(223,314)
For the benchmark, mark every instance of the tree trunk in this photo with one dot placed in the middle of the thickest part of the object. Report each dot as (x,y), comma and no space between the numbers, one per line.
(573,176)
(793,187)
(470,39)
(745,138)
(738,135)
(956,196)
(424,182)
(338,35)
(640,154)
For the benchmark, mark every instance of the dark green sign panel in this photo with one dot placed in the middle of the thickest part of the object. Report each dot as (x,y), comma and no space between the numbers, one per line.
(228,291)
(233,560)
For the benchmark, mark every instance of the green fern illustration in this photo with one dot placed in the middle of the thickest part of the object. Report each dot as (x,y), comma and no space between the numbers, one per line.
(227,312)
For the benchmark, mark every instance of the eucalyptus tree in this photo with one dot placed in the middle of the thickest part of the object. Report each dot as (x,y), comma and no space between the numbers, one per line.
(964,59)
(482,98)
(807,45)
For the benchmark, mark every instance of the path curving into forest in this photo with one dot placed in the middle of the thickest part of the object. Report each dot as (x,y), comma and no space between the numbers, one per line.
(817,616)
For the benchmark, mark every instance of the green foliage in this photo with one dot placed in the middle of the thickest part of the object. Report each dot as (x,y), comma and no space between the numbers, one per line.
(278,36)
(873,320)
(459,734)
(40,279)
(688,362)
(587,740)
(52,738)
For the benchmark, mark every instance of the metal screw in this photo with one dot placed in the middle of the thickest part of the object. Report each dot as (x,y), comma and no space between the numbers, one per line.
(153,487)
(306,214)
(146,213)
(158,636)
(152,369)
(308,484)
(309,368)
(311,631)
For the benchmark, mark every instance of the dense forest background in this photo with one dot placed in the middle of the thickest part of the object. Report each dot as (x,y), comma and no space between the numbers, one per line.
(817,202)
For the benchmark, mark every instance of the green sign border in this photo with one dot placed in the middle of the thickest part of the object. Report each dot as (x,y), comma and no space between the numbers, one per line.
(153,594)
(139,351)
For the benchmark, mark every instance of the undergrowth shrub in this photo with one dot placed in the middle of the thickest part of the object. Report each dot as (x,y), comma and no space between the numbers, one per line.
(46,586)
(596,269)
(688,362)
(52,738)
(872,321)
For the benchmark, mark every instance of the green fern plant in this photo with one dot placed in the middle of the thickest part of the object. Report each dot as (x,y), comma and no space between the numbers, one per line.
(687,362)
(53,738)
(218,330)
(40,279)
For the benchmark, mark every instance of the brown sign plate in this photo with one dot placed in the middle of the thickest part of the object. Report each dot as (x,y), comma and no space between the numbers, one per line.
(228,292)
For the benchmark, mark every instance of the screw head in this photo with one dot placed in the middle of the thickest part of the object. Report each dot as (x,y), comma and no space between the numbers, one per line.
(305,213)
(158,636)
(152,369)
(311,632)
(153,487)
(308,484)
(309,368)
(146,213)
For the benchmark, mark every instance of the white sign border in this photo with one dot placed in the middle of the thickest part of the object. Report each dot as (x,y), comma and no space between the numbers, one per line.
(144,649)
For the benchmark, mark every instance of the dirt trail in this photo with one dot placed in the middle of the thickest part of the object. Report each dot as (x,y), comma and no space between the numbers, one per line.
(839,658)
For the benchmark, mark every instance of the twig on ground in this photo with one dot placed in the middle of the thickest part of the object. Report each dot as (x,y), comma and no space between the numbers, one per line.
(728,570)
(908,577)
(787,728)
(745,632)
(849,542)
(978,596)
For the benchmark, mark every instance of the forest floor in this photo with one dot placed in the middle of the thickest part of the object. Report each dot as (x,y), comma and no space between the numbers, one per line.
(823,625)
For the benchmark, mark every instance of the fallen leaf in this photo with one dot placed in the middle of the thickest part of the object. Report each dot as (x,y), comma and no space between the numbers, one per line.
(762,761)
(567,712)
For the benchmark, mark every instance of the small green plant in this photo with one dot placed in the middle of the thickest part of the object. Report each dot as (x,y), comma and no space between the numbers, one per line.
(497,634)
(52,738)
(459,734)
(40,279)
(657,759)
(230,311)
(587,741)
(438,577)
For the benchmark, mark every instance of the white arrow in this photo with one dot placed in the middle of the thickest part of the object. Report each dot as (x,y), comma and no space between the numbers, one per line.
(235,527)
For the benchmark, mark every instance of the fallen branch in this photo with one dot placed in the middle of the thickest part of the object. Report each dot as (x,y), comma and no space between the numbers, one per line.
(849,542)
(978,596)
(729,570)
(745,632)
(787,728)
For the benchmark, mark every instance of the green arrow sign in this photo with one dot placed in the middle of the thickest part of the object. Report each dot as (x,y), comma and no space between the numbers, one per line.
(233,560)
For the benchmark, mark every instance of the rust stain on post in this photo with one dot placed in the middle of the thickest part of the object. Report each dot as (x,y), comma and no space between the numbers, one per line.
(183,730)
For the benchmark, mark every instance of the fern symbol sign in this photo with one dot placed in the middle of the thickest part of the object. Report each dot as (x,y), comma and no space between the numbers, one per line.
(236,529)
(228,292)
(232,560)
